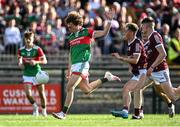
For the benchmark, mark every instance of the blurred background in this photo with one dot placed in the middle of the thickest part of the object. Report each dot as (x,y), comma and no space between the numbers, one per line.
(46,19)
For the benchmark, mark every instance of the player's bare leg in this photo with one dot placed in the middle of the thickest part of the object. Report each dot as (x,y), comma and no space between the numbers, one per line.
(41,90)
(159,90)
(127,89)
(130,86)
(139,99)
(28,91)
(74,80)
(84,86)
(165,98)
(88,88)
(138,95)
(126,100)
(170,91)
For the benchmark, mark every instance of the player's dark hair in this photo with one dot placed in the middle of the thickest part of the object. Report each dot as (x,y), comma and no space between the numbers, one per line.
(75,18)
(28,34)
(132,26)
(148,20)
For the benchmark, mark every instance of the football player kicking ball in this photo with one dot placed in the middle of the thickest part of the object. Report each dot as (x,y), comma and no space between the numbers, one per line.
(79,57)
(137,60)
(29,58)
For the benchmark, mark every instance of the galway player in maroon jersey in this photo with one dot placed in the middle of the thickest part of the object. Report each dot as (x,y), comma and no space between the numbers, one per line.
(157,68)
(158,88)
(137,60)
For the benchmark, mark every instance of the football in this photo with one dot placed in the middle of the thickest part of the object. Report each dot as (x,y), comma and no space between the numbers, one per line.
(42,77)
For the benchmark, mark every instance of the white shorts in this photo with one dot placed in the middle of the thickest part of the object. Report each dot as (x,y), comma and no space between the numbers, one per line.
(30,80)
(81,69)
(137,77)
(160,77)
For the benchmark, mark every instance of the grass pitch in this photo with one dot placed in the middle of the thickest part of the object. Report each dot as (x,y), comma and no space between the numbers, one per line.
(87,120)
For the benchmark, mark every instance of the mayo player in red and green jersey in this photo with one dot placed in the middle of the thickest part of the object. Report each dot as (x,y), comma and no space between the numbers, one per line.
(29,58)
(79,57)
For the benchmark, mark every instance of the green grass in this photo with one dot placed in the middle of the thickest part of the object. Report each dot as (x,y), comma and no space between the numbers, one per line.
(87,120)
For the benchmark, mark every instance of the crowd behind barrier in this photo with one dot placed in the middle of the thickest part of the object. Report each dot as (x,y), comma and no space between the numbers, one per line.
(46,19)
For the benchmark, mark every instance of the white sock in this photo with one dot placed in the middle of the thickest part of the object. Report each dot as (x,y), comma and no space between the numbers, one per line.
(125,110)
(43,109)
(35,105)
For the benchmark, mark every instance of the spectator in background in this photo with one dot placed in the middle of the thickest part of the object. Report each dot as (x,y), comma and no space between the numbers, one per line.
(37,37)
(63,9)
(89,11)
(174,48)
(60,32)
(175,19)
(16,15)
(37,11)
(165,36)
(87,21)
(30,16)
(48,39)
(45,8)
(117,7)
(42,24)
(98,26)
(46,11)
(12,38)
(100,11)
(51,19)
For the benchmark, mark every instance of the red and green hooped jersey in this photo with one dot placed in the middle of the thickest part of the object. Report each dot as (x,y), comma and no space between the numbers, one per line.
(80,45)
(30,54)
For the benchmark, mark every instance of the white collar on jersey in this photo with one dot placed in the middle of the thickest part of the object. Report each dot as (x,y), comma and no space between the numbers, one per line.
(29,49)
(151,34)
(131,41)
(146,43)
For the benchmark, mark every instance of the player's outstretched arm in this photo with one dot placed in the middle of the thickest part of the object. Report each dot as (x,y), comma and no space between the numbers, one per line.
(100,33)
(129,59)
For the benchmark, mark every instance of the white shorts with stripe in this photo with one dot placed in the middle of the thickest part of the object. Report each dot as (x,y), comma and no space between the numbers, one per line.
(30,80)
(137,77)
(160,77)
(81,69)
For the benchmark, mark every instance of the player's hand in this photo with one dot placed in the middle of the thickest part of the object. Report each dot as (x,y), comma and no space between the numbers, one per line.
(20,62)
(32,62)
(117,56)
(149,71)
(68,74)
(130,69)
(21,65)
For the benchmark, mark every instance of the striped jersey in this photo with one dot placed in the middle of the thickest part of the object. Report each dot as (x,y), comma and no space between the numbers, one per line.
(30,54)
(80,45)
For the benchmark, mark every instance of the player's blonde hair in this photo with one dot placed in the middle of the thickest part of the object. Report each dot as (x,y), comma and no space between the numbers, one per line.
(132,26)
(75,18)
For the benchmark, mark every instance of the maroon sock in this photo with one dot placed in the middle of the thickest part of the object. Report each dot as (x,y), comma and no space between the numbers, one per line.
(125,107)
(136,111)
